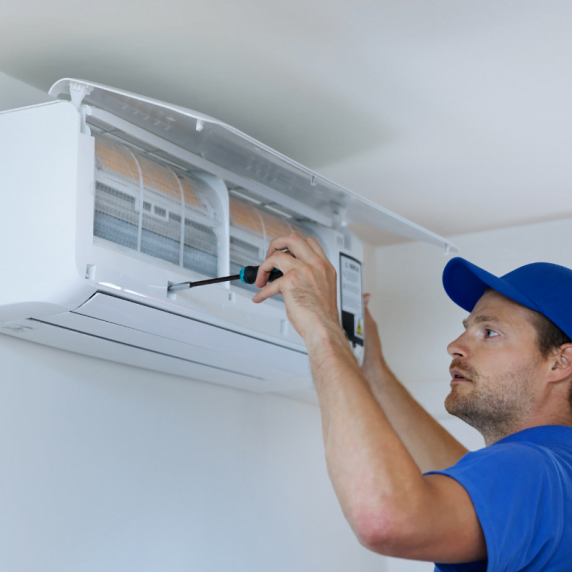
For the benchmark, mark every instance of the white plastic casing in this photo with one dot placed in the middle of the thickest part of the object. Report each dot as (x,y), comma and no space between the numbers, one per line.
(46,218)
(66,288)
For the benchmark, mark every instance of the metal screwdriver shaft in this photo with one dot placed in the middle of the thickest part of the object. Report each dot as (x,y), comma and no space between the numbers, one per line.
(186,285)
(247,276)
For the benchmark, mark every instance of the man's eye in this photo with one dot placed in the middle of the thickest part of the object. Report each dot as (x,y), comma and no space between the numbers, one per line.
(488,332)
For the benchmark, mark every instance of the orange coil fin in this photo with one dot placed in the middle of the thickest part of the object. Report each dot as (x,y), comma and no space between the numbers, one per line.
(114,158)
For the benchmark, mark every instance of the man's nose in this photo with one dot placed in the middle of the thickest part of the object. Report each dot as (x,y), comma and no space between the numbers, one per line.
(459,348)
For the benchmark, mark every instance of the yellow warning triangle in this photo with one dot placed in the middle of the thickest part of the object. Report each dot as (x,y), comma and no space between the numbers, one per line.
(358,330)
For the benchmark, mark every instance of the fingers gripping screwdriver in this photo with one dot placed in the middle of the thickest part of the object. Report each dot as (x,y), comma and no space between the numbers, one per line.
(247,276)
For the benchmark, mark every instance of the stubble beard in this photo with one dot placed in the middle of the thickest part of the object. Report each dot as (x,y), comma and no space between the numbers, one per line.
(494,407)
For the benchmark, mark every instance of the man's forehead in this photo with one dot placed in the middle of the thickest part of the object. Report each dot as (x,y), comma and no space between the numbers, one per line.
(495,308)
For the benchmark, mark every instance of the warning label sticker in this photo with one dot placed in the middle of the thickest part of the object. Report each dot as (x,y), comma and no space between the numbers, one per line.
(351,298)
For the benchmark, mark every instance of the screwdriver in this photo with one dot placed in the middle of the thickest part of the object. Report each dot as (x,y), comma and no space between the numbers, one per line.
(247,276)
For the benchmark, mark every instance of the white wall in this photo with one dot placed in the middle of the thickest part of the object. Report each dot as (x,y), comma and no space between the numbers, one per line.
(14,93)
(109,468)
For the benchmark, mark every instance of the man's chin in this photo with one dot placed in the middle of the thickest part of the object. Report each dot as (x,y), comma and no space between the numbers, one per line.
(458,398)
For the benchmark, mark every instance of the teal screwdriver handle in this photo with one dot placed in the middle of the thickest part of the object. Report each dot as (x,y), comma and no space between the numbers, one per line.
(248,274)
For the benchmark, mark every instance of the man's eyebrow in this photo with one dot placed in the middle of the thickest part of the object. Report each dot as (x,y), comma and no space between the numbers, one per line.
(480,319)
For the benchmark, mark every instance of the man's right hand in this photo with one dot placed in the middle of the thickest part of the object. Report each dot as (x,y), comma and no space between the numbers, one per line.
(373,360)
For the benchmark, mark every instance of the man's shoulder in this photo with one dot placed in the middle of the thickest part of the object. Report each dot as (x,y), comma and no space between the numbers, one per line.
(521,490)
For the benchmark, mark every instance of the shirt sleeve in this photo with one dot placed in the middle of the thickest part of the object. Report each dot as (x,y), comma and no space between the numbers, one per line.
(519,500)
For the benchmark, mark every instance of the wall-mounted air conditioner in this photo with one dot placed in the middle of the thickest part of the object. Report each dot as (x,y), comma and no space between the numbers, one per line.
(109,197)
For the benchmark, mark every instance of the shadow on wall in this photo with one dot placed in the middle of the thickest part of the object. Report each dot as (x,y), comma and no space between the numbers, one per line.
(14,94)
(305,119)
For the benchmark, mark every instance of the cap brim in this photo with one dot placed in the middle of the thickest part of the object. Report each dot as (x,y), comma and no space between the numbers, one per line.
(465,283)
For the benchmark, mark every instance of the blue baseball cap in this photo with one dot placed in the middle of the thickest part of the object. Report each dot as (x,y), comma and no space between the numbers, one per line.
(541,286)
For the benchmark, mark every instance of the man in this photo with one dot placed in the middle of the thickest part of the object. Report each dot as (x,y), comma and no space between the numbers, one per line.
(406,486)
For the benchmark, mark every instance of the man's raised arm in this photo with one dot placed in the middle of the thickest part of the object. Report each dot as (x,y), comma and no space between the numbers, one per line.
(432,447)
(392,508)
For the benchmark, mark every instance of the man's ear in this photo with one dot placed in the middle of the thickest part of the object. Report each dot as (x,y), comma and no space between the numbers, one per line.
(561,363)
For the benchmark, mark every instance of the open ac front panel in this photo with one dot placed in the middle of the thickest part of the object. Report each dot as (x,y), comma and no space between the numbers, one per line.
(102,216)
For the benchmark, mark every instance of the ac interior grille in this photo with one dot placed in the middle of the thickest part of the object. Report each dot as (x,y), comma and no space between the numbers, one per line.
(168,200)
(242,254)
(115,193)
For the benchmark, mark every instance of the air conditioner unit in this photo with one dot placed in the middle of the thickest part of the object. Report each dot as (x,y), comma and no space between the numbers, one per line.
(109,197)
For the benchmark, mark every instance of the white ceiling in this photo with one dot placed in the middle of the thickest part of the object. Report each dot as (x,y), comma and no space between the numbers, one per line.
(456,115)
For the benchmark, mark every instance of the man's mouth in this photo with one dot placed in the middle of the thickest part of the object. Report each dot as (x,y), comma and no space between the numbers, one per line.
(458,376)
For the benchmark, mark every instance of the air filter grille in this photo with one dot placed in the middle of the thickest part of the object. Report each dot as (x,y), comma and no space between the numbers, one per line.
(251,230)
(177,222)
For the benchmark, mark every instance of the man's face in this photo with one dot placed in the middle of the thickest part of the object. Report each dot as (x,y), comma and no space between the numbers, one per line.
(496,367)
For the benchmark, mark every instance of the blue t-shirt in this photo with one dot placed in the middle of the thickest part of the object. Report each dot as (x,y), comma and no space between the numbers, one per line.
(521,488)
